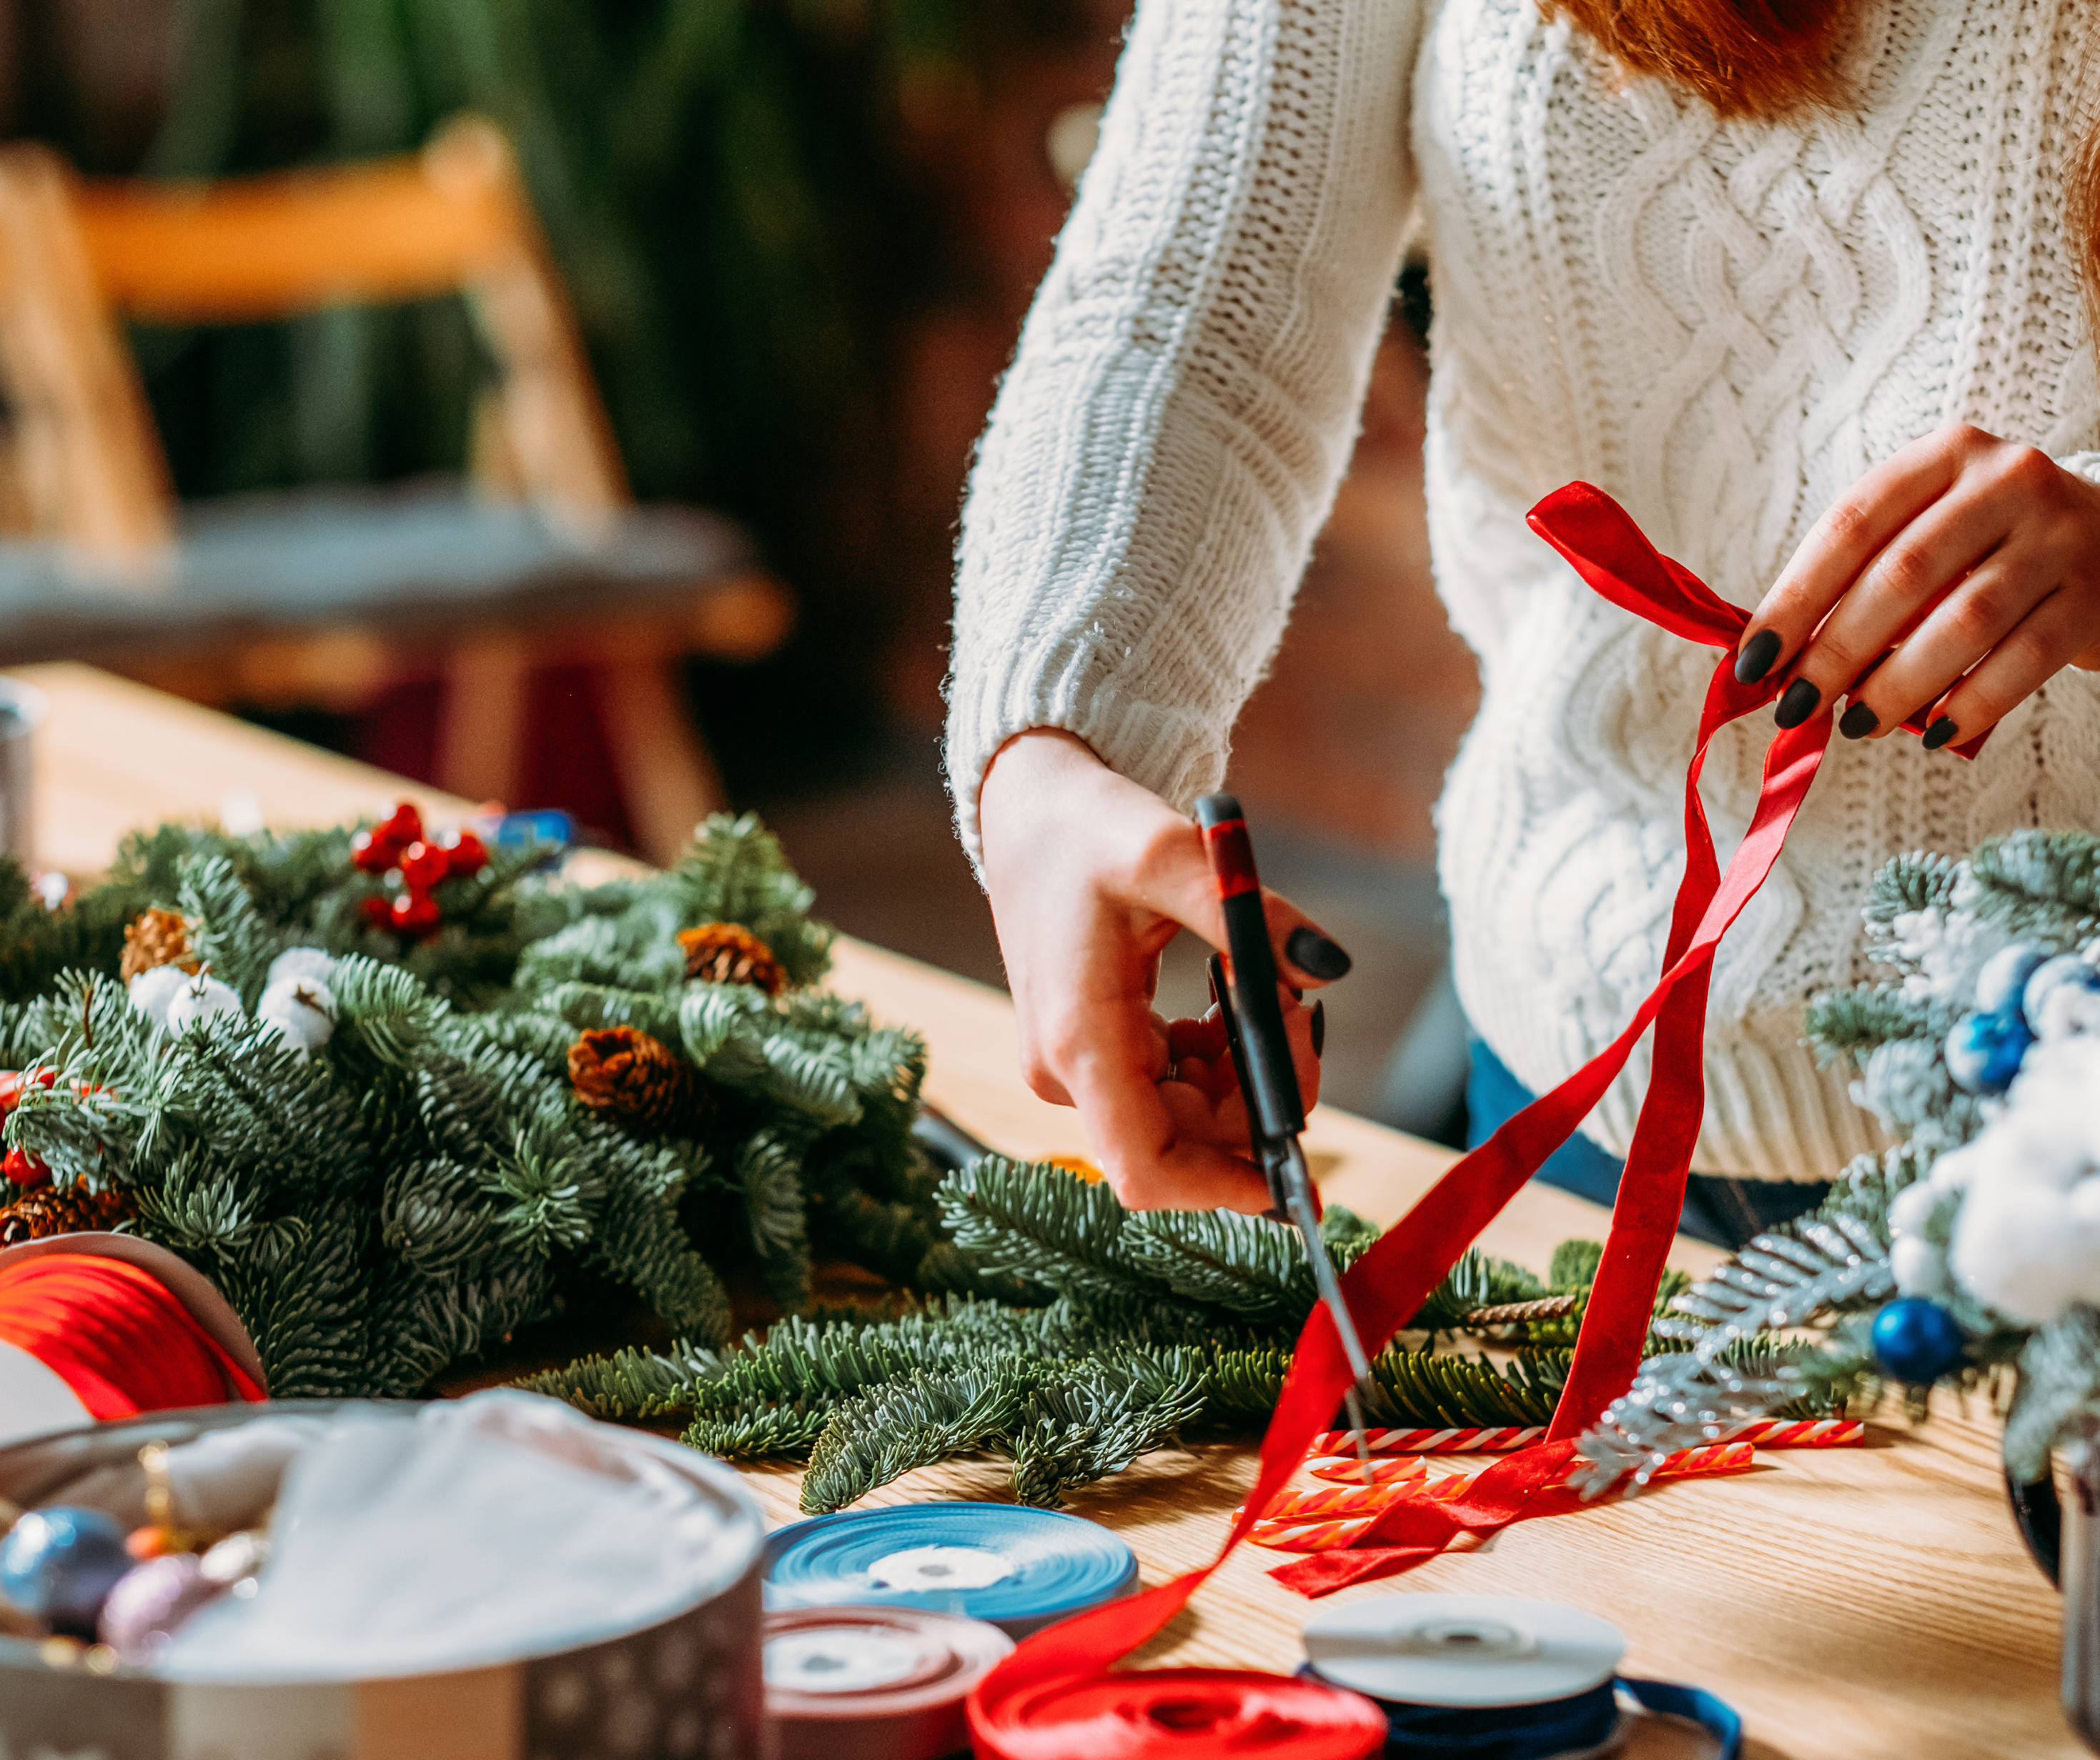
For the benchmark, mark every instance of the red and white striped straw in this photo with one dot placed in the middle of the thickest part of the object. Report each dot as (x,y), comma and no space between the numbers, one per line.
(1335,1449)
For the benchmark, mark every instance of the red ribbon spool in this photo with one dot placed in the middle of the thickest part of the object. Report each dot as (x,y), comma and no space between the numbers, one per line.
(115,1335)
(1388,1283)
(1170,1714)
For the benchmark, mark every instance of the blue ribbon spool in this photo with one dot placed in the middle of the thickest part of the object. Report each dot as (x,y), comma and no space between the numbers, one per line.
(1017,1568)
(1494,1678)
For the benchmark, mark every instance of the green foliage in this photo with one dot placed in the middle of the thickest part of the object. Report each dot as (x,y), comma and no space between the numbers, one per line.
(2042,887)
(2058,1390)
(1150,1324)
(1863,1019)
(1575,1264)
(425,1183)
(1922,880)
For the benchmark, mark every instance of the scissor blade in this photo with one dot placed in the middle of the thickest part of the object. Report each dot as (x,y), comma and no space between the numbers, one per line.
(1297,1183)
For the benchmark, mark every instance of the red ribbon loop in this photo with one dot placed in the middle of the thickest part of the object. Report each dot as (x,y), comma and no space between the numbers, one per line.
(1387,1285)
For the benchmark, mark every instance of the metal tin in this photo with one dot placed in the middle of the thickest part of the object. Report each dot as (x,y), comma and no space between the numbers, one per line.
(690,1687)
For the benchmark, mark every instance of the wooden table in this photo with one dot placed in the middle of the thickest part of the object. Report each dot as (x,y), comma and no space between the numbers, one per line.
(1852,1603)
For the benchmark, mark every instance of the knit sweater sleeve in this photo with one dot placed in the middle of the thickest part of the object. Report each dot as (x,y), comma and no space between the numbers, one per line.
(1169,437)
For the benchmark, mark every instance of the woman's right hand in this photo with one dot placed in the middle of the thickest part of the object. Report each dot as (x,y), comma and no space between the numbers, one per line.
(1090,876)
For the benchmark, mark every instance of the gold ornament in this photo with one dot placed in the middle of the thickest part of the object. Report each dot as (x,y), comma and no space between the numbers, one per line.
(727,953)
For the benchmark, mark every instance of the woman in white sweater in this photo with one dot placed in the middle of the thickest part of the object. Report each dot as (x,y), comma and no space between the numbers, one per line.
(1809,306)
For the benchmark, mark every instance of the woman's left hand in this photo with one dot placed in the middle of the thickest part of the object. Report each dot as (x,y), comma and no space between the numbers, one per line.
(1977,561)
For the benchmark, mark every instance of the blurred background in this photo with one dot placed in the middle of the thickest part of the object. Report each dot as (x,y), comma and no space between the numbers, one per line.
(798,238)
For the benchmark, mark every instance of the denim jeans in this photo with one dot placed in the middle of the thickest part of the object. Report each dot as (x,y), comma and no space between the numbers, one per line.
(1727,1212)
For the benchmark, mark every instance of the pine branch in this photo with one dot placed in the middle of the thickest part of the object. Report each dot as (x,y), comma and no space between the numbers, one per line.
(915,1421)
(1118,1406)
(1043,1222)
(1860,1019)
(629,1385)
(1477,1281)
(1249,1267)
(2042,887)
(228,933)
(2059,1388)
(1920,880)
(1424,1389)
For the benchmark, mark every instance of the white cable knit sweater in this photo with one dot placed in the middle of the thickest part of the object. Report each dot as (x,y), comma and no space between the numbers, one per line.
(1722,324)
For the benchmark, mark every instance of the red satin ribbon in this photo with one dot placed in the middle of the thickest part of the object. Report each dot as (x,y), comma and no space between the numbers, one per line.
(1387,1287)
(110,1330)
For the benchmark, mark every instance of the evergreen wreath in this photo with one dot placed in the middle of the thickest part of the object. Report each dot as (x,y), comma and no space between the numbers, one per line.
(377,1146)
(1969,1253)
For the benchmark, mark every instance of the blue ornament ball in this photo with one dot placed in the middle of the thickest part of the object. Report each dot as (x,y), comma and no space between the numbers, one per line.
(1916,1340)
(59,1564)
(1983,1051)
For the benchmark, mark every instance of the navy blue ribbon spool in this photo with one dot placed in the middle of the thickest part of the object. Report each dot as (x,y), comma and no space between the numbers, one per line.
(1556,1727)
(1017,1568)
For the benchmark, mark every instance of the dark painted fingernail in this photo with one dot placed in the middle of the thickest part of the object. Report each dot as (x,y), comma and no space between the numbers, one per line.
(1939,734)
(1756,657)
(1312,953)
(1319,1026)
(1798,704)
(1858,721)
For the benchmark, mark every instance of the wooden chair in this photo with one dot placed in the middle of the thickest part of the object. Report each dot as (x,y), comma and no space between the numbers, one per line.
(330,596)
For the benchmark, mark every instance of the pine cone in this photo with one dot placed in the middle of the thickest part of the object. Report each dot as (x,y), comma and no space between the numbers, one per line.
(625,1074)
(156,938)
(727,953)
(61,1210)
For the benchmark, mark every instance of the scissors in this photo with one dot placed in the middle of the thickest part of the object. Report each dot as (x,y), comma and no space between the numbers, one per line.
(1261,1057)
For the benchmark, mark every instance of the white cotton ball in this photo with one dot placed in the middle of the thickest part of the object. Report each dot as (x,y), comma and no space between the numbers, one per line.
(2056,1099)
(201,999)
(2027,1239)
(1912,1208)
(2068,1011)
(2004,976)
(1920,1267)
(2023,1249)
(1950,951)
(2054,987)
(153,989)
(301,1011)
(299,963)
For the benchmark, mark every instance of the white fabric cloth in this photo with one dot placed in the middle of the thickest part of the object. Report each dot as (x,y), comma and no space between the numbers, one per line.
(477,1531)
(1722,324)
(34,1398)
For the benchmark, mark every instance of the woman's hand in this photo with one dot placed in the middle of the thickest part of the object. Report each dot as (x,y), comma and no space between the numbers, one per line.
(1977,561)
(1090,877)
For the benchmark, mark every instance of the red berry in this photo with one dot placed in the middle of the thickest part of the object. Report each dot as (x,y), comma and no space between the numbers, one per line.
(423,865)
(373,851)
(401,828)
(415,913)
(23,1168)
(379,913)
(467,854)
(47,1078)
(11,1091)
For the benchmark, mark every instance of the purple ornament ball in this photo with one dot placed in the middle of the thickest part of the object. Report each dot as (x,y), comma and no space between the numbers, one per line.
(150,1601)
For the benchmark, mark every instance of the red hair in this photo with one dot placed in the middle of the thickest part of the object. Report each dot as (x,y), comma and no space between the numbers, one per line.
(1746,58)
(1764,58)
